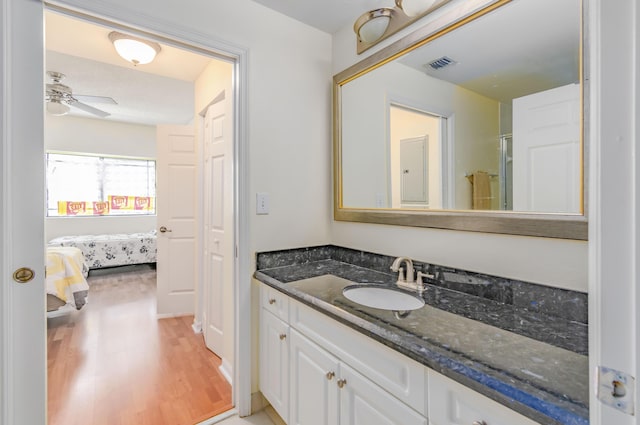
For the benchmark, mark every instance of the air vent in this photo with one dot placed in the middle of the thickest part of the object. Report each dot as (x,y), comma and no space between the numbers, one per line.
(440,63)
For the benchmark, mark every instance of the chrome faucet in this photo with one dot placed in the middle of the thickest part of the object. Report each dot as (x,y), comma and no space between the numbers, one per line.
(408,282)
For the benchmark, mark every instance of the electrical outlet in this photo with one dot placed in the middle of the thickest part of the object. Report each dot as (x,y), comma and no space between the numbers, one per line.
(262,203)
(616,389)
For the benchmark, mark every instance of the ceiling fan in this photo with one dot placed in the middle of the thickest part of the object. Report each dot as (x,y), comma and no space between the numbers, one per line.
(60,96)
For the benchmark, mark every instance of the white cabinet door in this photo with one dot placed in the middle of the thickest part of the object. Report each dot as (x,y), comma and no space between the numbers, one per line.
(451,403)
(364,403)
(314,393)
(274,362)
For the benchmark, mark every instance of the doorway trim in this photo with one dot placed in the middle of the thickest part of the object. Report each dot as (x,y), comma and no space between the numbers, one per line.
(447,140)
(185,38)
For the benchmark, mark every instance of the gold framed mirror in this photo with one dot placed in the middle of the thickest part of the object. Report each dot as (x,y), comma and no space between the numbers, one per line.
(473,122)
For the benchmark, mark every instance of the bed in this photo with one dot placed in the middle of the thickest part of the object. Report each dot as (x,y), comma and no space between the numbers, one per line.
(112,250)
(65,278)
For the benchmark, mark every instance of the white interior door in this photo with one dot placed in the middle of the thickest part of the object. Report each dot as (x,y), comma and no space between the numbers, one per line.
(22,323)
(546,151)
(176,210)
(218,224)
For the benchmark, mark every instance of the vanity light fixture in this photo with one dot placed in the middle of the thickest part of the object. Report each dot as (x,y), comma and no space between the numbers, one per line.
(378,24)
(134,49)
(413,8)
(373,24)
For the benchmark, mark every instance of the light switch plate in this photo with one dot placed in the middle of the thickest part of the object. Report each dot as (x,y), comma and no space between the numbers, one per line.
(262,203)
(616,389)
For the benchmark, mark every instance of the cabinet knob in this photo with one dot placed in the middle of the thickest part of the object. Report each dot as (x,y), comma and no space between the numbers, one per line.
(479,423)
(272,300)
(343,382)
(330,375)
(284,336)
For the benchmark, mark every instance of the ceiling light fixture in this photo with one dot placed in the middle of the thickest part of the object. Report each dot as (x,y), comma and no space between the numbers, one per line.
(133,49)
(413,8)
(56,107)
(373,24)
(378,24)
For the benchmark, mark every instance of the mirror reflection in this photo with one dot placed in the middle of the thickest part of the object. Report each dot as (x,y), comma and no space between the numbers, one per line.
(486,117)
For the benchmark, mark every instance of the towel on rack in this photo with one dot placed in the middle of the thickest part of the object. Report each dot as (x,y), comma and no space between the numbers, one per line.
(481,191)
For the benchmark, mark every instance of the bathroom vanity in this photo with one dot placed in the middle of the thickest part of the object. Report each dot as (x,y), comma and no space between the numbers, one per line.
(460,359)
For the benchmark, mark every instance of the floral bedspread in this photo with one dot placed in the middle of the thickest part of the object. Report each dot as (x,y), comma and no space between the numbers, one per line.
(112,250)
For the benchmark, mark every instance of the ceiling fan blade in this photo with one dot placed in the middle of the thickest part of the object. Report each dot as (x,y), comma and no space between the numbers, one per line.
(95,99)
(89,109)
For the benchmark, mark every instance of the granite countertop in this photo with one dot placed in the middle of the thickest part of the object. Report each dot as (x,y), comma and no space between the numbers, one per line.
(532,363)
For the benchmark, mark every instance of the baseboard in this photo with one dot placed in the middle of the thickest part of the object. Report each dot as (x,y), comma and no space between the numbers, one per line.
(172,315)
(219,418)
(258,402)
(227,371)
(273,415)
(196,326)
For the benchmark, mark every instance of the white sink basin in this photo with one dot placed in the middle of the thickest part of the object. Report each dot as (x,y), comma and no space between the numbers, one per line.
(383,298)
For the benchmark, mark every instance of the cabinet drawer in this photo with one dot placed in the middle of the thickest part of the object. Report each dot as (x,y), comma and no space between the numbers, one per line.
(451,403)
(275,302)
(399,375)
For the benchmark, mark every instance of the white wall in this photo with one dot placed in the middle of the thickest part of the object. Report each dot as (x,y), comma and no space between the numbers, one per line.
(365,103)
(475,143)
(96,136)
(215,78)
(85,135)
(553,262)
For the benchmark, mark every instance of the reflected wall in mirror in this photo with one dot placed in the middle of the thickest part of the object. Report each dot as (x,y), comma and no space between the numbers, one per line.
(487,116)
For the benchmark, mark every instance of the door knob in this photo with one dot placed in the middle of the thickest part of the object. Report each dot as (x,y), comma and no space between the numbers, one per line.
(23,275)
(330,375)
(479,423)
(163,229)
(342,383)
(283,337)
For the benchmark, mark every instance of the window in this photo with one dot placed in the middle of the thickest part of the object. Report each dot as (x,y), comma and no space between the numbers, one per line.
(98,185)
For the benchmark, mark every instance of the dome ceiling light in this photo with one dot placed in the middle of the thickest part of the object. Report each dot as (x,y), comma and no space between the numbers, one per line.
(134,49)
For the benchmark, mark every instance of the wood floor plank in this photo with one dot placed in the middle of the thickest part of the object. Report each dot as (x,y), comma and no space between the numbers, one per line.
(115,363)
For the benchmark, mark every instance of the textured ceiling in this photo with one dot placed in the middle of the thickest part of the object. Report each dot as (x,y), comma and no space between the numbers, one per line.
(522,48)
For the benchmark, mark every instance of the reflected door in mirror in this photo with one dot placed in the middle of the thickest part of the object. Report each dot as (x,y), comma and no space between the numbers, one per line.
(546,151)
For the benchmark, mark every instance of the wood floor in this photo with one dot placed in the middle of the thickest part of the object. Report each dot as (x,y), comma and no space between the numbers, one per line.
(115,363)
